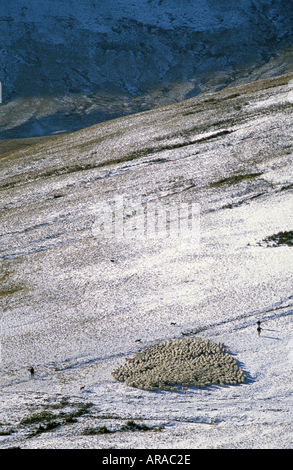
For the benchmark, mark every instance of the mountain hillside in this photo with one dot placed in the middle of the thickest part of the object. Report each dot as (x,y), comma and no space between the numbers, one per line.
(66,64)
(77,300)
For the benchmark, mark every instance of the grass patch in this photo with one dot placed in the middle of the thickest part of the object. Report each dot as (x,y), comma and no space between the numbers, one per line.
(7,432)
(109,417)
(10,291)
(37,418)
(11,145)
(94,431)
(281,238)
(63,403)
(68,170)
(285,188)
(70,418)
(47,427)
(48,421)
(133,426)
(234,179)
(9,185)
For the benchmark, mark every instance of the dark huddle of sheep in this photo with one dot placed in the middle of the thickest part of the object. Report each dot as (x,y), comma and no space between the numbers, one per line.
(186,362)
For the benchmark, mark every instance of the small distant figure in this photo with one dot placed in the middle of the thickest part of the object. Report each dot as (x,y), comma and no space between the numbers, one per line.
(258,327)
(172,323)
(32,371)
(112,261)
(137,340)
(82,388)
(259,330)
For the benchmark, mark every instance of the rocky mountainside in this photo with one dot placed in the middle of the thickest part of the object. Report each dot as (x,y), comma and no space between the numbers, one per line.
(69,64)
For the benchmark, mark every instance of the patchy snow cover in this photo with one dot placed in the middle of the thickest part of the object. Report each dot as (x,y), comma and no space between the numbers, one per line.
(74,307)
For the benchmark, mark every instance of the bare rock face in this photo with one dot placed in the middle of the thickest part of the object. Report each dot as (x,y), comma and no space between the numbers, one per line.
(67,65)
(185,362)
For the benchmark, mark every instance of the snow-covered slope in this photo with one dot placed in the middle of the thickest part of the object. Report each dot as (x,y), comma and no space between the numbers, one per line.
(74,306)
(68,64)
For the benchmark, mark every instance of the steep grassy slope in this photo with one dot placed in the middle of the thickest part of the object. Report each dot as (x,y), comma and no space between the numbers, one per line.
(74,306)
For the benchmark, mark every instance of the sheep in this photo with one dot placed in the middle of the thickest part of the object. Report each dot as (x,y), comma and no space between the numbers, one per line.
(185,362)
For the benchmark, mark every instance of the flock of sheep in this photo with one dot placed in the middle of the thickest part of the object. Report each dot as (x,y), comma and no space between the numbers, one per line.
(180,362)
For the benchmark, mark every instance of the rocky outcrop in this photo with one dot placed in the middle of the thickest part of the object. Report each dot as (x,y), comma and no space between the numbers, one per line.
(67,65)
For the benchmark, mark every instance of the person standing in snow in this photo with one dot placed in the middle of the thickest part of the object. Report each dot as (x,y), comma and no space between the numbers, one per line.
(259,330)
